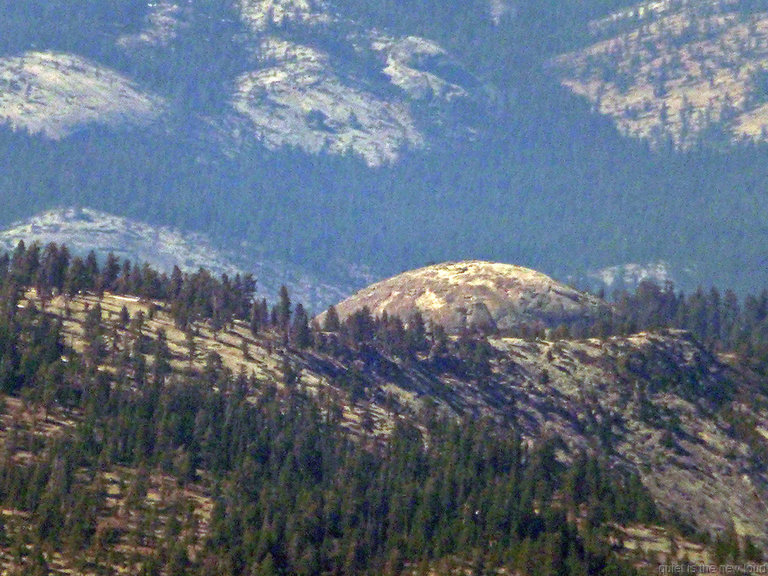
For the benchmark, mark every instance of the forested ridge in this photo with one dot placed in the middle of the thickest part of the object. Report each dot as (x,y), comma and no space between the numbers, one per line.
(259,477)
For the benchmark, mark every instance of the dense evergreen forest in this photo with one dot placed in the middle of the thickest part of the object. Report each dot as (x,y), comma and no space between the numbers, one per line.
(721,321)
(292,492)
(546,182)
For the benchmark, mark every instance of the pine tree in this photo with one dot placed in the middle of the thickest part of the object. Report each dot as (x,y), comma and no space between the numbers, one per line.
(124,317)
(109,274)
(161,367)
(291,376)
(255,319)
(18,263)
(189,342)
(91,266)
(301,337)
(93,333)
(416,333)
(76,279)
(331,321)
(284,309)
(264,568)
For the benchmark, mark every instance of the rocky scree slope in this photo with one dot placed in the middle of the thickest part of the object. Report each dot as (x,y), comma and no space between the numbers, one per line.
(477,294)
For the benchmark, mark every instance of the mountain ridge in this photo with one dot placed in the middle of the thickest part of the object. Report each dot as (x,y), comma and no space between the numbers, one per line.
(650,403)
(85,229)
(635,436)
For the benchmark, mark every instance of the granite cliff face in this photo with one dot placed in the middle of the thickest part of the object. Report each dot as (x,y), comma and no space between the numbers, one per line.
(323,83)
(477,294)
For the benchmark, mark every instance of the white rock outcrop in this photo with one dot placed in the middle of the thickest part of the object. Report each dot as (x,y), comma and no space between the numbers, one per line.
(332,91)
(632,274)
(486,294)
(296,99)
(259,15)
(407,62)
(56,93)
(85,229)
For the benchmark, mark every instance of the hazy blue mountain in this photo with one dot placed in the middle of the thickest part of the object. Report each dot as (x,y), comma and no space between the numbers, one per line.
(336,135)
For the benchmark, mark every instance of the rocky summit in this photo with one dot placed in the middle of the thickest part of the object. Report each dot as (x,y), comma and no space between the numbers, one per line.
(477,294)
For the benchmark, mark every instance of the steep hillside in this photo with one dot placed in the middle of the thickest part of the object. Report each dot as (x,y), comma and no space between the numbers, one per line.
(687,72)
(691,426)
(171,424)
(476,294)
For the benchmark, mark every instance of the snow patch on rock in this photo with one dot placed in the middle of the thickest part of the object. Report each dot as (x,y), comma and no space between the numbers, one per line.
(630,275)
(499,9)
(55,93)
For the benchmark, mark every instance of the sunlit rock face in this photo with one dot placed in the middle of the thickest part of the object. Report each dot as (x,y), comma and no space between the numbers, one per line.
(163,247)
(54,94)
(298,100)
(325,84)
(479,294)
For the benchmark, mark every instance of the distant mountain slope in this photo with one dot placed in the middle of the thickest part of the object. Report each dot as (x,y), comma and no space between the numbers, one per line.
(298,100)
(55,94)
(657,404)
(321,84)
(682,71)
(83,229)
(308,79)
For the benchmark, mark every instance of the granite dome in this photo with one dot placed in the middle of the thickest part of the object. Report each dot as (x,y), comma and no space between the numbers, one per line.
(476,293)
